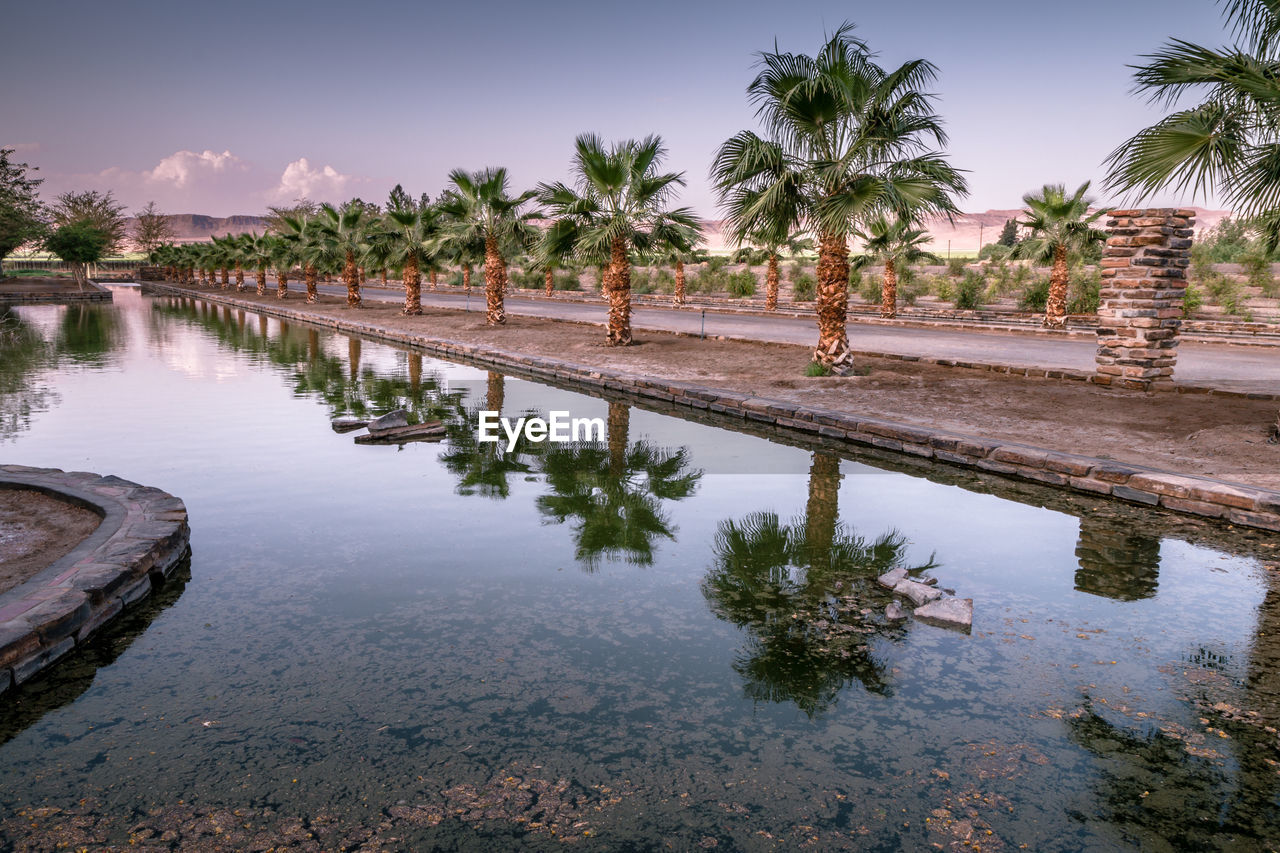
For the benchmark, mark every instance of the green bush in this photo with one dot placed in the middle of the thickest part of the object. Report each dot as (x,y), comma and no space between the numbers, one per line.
(911,288)
(1257,270)
(741,284)
(971,291)
(817,368)
(943,288)
(869,287)
(803,287)
(1192,301)
(565,280)
(1084,291)
(1225,292)
(641,281)
(955,267)
(1035,296)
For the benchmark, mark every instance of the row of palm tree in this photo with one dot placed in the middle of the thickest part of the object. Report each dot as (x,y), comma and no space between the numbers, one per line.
(850,150)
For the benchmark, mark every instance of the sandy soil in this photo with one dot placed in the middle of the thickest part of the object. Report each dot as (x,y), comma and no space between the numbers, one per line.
(35,530)
(31,284)
(1189,433)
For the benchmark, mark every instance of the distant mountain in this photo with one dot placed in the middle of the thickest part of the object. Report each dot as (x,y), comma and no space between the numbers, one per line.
(964,234)
(196,227)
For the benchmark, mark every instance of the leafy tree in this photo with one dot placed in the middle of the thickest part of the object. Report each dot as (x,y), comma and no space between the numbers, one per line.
(151,228)
(1008,234)
(22,216)
(277,217)
(98,210)
(79,244)
(1058,226)
(619,204)
(399,199)
(1230,140)
(844,138)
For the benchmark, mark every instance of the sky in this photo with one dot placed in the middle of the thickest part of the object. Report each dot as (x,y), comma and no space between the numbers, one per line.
(226,108)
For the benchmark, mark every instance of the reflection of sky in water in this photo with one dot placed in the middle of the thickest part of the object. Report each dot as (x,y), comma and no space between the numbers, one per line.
(354,624)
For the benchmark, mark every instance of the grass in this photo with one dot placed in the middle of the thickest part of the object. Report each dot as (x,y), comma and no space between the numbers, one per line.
(817,368)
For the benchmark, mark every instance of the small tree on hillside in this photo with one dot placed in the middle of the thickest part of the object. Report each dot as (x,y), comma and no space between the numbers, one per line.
(79,244)
(151,229)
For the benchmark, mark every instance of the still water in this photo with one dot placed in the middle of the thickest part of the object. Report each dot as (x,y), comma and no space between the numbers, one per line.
(669,639)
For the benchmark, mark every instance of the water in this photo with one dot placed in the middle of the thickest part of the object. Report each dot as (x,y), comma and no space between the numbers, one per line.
(671,638)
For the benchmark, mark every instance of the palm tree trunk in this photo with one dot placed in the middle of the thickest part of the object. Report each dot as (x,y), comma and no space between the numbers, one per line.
(889,291)
(282,283)
(435,277)
(262,281)
(495,282)
(351,277)
(1055,310)
(353,357)
(680,282)
(239,277)
(771,284)
(226,278)
(466,276)
(311,274)
(822,510)
(550,278)
(384,276)
(833,302)
(415,373)
(412,288)
(495,391)
(618,285)
(618,426)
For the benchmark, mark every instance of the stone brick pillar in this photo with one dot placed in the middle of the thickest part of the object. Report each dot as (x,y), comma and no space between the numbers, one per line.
(1144,277)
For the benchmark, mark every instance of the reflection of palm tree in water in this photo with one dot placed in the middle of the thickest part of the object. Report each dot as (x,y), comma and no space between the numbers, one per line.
(614,494)
(1116,561)
(799,590)
(484,468)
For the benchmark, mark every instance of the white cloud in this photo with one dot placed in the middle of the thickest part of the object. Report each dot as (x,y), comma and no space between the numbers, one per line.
(301,179)
(181,167)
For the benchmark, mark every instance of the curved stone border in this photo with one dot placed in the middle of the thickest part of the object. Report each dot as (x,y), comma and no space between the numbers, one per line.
(1235,503)
(95,293)
(143,536)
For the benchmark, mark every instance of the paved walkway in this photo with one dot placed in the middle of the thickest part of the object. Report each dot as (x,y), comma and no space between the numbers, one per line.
(1238,368)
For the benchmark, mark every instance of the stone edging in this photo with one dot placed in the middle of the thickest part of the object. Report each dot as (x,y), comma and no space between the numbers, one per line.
(1201,496)
(95,293)
(142,538)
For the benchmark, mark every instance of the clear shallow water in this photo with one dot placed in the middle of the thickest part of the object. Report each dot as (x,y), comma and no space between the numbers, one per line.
(659,640)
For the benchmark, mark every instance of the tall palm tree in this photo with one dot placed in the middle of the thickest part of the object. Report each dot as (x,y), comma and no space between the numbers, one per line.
(299,233)
(223,256)
(410,238)
(619,204)
(481,208)
(339,243)
(256,251)
(844,138)
(1229,142)
(894,242)
(281,256)
(1059,226)
(678,246)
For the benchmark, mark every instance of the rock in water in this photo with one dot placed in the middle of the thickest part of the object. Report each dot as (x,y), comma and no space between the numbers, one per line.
(918,593)
(389,421)
(348,424)
(892,578)
(893,612)
(948,613)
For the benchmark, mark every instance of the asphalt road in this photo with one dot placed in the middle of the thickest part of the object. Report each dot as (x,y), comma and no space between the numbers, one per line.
(1219,364)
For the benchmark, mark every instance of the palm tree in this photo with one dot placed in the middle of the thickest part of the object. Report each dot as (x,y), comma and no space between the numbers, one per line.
(299,233)
(339,243)
(772,243)
(256,251)
(844,138)
(281,257)
(481,209)
(619,205)
(223,255)
(1229,142)
(678,246)
(410,238)
(1059,225)
(894,242)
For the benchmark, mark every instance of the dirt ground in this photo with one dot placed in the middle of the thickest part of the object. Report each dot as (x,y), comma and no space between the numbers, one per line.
(35,530)
(1213,436)
(31,284)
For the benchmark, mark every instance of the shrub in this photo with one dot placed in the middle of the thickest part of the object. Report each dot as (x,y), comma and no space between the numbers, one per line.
(955,267)
(1226,293)
(803,287)
(741,284)
(1257,269)
(943,288)
(971,291)
(817,368)
(1192,301)
(1084,291)
(869,287)
(1035,296)
(911,288)
(641,281)
(565,280)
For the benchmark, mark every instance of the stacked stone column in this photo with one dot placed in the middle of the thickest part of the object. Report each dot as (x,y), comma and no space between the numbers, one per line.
(1144,278)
